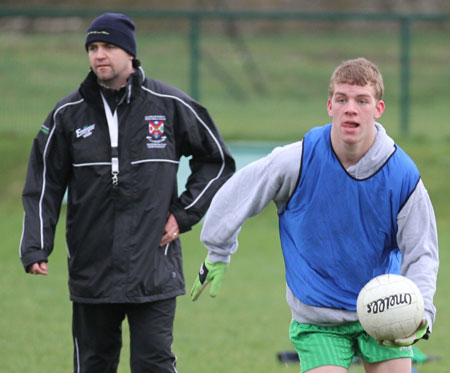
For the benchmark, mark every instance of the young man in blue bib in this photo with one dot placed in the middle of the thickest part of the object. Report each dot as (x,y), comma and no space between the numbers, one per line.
(351,206)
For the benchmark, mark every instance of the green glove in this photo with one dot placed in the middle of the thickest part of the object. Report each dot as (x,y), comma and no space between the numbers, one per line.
(422,332)
(209,273)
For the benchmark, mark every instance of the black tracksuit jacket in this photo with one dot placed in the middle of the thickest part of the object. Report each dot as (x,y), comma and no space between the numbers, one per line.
(113,232)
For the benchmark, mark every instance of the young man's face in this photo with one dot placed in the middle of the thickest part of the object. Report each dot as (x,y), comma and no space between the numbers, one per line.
(111,64)
(354,110)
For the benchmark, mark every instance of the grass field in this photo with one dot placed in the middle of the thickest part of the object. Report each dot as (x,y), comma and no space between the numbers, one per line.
(247,324)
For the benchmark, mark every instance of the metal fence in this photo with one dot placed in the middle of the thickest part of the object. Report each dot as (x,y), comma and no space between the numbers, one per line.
(196,21)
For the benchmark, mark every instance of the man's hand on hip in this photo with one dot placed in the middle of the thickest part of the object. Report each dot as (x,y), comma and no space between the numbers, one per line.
(171,230)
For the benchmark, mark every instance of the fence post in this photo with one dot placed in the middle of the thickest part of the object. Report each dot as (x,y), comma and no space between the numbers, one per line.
(405,62)
(195,57)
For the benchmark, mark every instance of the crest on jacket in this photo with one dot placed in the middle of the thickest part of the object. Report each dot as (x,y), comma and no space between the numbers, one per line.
(156,130)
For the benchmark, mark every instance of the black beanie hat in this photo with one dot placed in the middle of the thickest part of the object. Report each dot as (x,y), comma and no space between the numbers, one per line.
(113,28)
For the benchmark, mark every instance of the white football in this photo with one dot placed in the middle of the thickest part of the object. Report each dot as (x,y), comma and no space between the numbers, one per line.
(390,307)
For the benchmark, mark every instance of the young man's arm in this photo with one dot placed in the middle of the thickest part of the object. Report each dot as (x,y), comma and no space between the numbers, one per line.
(246,194)
(417,240)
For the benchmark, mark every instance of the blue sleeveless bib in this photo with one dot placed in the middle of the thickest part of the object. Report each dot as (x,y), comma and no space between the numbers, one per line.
(338,232)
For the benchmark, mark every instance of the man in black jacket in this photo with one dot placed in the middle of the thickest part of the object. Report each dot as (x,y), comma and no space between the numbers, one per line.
(115,145)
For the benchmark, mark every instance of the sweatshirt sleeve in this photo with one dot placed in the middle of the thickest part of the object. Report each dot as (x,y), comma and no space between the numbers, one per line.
(246,194)
(211,163)
(418,242)
(43,192)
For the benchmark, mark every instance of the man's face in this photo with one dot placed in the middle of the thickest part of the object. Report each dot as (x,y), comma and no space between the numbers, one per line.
(111,64)
(354,110)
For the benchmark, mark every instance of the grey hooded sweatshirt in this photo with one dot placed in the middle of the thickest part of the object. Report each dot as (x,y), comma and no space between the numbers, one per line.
(274,178)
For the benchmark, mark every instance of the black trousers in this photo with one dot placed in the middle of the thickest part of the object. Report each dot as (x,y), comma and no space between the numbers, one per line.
(97,334)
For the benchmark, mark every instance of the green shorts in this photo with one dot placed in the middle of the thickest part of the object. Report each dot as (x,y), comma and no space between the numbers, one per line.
(337,345)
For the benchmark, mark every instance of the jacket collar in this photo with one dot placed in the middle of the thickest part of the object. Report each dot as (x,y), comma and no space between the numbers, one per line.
(90,88)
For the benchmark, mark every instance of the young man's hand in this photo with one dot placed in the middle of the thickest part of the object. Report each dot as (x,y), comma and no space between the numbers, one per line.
(209,273)
(422,332)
